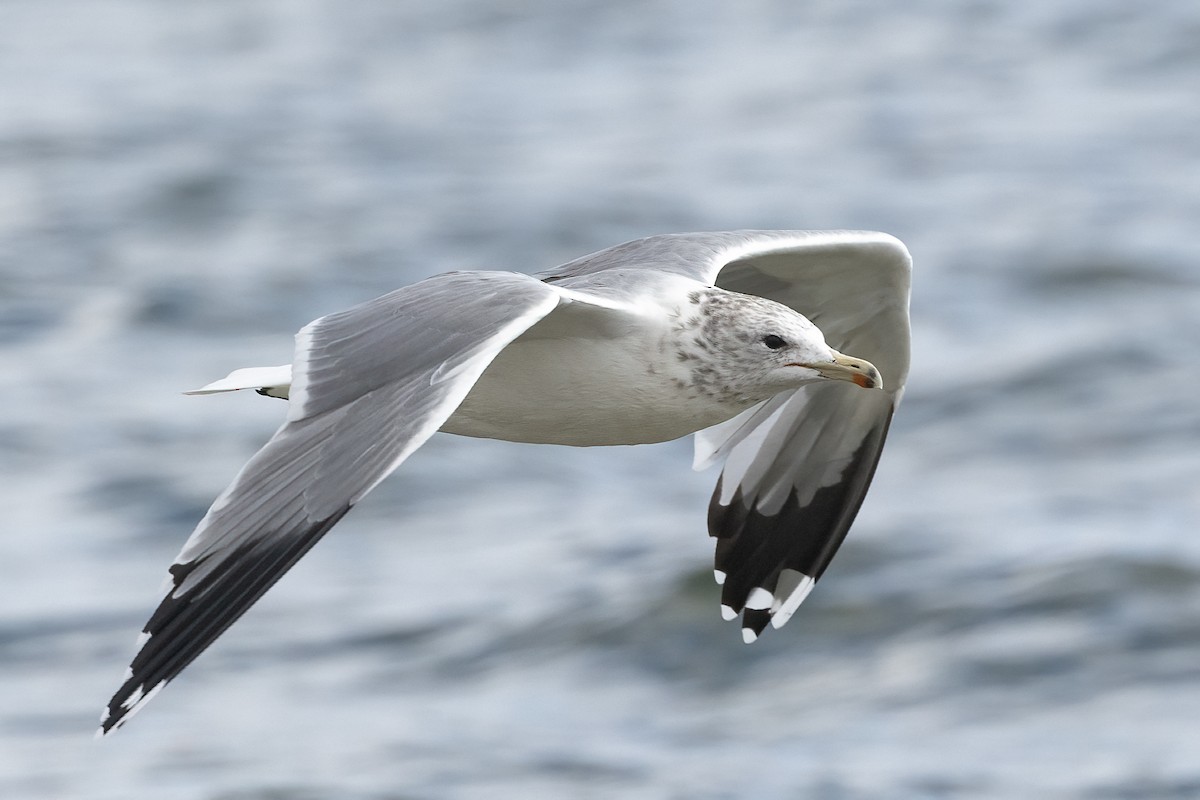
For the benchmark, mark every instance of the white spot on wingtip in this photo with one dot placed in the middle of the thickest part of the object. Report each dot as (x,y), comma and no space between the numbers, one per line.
(135,702)
(128,674)
(802,589)
(749,636)
(143,637)
(720,577)
(150,694)
(727,612)
(133,699)
(759,599)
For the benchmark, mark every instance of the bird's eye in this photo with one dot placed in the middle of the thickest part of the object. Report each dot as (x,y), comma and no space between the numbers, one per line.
(774,342)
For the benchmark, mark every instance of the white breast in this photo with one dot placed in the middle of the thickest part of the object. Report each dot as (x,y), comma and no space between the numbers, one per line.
(583,378)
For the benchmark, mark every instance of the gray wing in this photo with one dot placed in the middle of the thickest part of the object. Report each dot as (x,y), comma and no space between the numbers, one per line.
(791,486)
(798,466)
(853,285)
(370,386)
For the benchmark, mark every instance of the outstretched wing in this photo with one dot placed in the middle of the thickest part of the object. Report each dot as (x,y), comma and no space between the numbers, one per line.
(797,466)
(370,385)
(787,496)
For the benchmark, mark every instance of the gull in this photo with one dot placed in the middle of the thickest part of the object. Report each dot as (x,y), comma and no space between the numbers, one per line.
(730,336)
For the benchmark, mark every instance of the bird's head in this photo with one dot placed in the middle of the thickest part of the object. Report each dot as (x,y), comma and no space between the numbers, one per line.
(747,348)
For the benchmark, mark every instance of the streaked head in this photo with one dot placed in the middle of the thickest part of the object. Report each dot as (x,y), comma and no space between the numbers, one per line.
(744,349)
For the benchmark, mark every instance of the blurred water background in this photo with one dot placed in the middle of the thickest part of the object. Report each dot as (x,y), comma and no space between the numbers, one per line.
(1017,611)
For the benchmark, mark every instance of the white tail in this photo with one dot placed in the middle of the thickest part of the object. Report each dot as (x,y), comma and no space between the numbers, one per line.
(271,381)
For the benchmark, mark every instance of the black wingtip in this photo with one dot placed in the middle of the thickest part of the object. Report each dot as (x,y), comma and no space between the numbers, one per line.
(127,701)
(754,548)
(184,625)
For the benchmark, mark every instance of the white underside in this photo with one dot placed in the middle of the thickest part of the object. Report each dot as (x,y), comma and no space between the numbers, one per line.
(549,387)
(582,392)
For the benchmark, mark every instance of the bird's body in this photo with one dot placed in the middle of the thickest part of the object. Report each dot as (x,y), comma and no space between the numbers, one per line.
(720,334)
(568,380)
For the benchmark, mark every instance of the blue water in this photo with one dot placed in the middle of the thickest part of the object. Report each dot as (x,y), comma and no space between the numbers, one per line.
(1017,611)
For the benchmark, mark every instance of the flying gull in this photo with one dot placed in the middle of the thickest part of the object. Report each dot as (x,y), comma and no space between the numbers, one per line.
(730,336)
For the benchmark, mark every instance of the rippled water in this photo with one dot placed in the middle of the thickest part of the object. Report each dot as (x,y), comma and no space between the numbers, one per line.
(1017,611)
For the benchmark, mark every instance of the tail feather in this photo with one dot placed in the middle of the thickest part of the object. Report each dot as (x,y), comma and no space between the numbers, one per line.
(269,381)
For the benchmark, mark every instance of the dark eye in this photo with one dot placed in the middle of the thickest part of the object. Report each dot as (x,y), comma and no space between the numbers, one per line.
(774,342)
